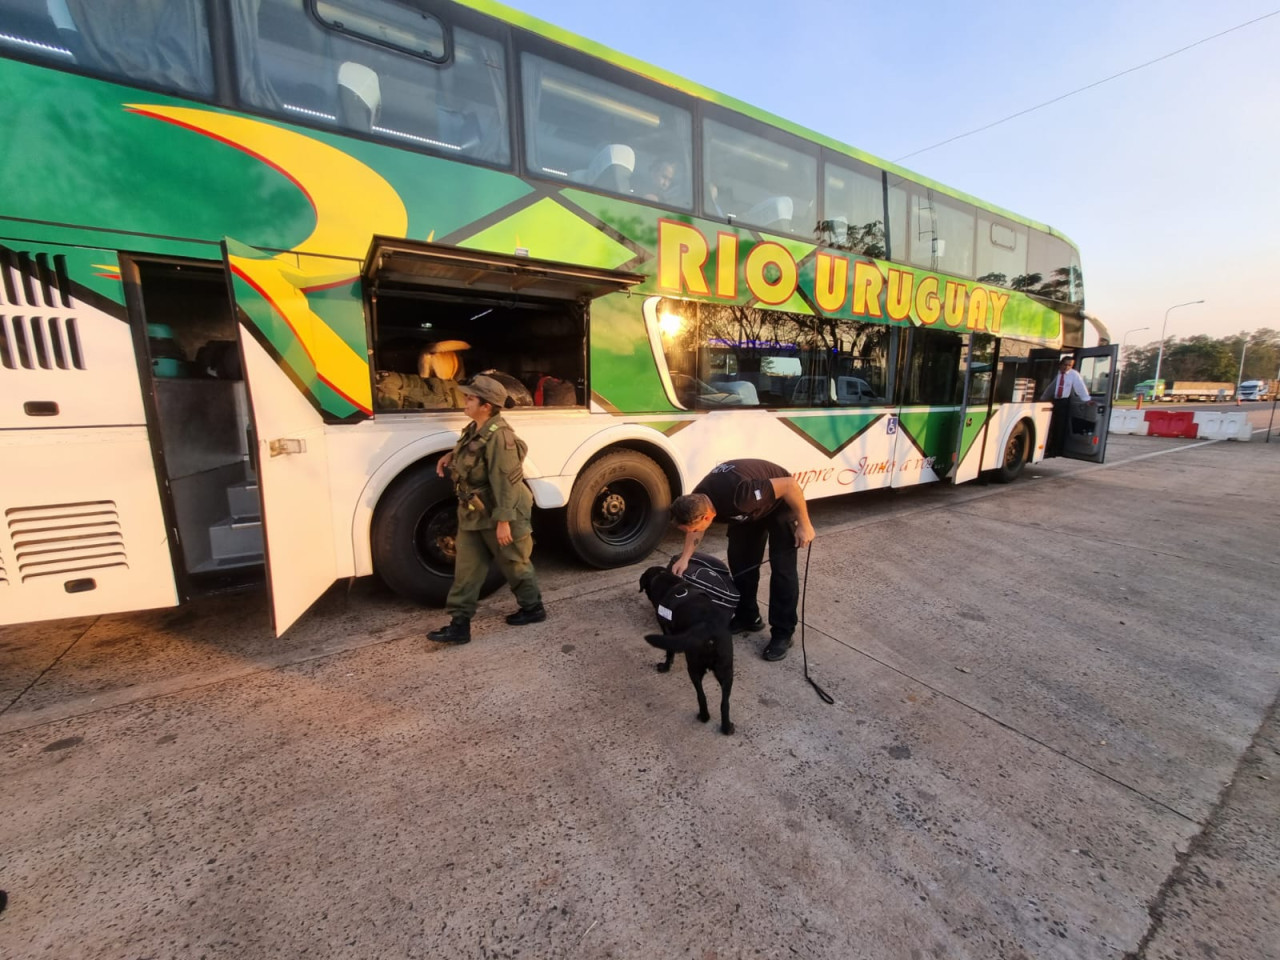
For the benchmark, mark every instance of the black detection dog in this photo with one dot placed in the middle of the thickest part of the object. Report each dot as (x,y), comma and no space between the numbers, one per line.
(695,626)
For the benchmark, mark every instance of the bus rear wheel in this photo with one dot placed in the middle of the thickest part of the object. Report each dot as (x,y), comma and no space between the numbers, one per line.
(1017,451)
(413,538)
(617,511)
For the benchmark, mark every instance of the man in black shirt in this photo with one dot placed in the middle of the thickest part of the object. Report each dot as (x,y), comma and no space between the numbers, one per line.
(762,503)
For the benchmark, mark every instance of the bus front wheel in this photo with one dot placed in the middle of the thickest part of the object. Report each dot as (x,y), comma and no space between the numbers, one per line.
(617,511)
(412,539)
(1017,451)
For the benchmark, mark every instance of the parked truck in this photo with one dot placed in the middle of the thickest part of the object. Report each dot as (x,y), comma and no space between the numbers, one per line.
(1257,389)
(1186,390)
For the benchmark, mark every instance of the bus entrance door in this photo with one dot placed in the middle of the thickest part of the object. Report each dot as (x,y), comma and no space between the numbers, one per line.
(1086,436)
(289,354)
(978,363)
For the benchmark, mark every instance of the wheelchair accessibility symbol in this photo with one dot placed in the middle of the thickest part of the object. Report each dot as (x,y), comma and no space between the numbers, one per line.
(891,425)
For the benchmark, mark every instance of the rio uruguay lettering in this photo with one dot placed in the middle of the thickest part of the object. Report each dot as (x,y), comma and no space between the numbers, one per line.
(867,288)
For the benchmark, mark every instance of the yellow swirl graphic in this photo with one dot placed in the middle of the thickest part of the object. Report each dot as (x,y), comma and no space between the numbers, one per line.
(351,202)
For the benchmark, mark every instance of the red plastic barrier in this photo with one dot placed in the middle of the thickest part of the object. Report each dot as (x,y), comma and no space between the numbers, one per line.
(1172,423)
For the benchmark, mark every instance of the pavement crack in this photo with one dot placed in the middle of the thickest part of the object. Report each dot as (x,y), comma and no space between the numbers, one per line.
(1198,844)
(1012,729)
(53,663)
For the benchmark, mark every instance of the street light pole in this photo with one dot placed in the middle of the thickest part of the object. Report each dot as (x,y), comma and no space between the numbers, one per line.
(1120,359)
(1155,389)
(1244,345)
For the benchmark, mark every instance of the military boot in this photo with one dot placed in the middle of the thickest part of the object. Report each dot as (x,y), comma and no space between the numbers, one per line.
(458,631)
(527,615)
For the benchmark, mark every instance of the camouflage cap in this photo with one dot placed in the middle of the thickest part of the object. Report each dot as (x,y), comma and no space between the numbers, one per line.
(487,389)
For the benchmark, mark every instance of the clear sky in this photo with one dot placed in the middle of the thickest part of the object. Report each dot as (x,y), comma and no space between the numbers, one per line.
(1168,178)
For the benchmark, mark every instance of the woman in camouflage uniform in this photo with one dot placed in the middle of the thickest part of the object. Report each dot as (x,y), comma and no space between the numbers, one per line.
(494,507)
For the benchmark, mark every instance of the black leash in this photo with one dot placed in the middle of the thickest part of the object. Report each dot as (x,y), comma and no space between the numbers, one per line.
(804,593)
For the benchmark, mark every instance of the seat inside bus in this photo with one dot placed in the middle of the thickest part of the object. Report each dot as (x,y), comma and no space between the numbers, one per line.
(610,169)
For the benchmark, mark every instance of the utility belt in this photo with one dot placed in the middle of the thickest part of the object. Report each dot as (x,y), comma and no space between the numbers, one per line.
(471,501)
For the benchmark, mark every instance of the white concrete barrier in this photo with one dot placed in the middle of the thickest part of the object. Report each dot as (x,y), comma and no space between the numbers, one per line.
(1127,421)
(1237,426)
(1209,425)
(1213,425)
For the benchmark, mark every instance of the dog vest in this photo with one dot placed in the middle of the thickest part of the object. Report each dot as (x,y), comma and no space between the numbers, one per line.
(711,576)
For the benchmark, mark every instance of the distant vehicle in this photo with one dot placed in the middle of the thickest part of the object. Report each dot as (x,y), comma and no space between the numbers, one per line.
(1185,390)
(1253,390)
(843,391)
(1210,390)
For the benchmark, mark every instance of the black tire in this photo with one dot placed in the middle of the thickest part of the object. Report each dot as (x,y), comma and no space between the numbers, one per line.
(1017,451)
(617,511)
(412,539)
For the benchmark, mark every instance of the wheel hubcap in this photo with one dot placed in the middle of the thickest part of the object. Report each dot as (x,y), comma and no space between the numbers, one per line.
(435,539)
(620,511)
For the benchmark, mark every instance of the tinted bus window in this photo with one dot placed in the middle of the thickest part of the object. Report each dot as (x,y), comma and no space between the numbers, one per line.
(1053,269)
(853,210)
(1001,250)
(292,64)
(755,181)
(937,232)
(1016,375)
(852,365)
(154,44)
(585,130)
(724,355)
(933,368)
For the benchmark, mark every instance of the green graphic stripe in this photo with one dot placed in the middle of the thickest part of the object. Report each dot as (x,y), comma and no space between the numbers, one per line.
(831,434)
(974,421)
(668,428)
(933,431)
(547,231)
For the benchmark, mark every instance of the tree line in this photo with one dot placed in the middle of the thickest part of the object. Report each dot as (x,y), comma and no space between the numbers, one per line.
(1203,358)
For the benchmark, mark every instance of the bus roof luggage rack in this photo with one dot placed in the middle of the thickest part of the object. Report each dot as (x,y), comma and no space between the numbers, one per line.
(394,263)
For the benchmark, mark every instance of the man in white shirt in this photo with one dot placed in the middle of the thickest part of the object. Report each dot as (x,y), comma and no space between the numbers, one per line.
(1065,385)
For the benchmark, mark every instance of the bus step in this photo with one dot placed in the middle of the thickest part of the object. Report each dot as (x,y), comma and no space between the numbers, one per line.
(242,500)
(230,563)
(235,538)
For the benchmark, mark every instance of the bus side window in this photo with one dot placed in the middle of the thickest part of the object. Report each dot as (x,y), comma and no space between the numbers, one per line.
(586,130)
(933,373)
(755,180)
(290,63)
(162,45)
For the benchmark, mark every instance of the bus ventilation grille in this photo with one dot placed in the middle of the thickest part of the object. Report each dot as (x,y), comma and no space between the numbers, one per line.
(45,343)
(38,280)
(4,577)
(53,540)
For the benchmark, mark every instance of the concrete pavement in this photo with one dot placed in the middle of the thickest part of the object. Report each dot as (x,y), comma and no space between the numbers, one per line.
(1055,706)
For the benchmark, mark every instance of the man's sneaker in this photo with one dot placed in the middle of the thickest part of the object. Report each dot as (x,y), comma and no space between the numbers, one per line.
(777,648)
(531,615)
(741,625)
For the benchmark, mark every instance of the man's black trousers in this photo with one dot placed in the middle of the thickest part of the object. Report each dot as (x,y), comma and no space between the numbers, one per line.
(746,553)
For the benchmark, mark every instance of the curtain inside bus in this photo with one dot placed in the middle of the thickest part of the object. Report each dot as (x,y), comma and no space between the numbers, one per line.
(290,63)
(160,42)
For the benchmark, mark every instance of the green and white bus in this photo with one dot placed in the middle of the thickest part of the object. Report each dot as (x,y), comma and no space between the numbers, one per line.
(246,245)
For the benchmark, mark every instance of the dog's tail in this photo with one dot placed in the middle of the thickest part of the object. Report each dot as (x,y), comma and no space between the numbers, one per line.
(679,642)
